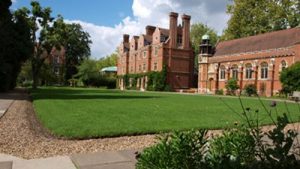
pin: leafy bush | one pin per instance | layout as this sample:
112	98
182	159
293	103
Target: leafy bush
231	86
27	83
250	89
182	150
111	82
245	147
220	92
234	149
290	78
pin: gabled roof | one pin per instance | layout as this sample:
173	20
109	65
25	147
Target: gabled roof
148	38
164	31
272	40
167	31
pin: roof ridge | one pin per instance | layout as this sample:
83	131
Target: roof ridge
261	34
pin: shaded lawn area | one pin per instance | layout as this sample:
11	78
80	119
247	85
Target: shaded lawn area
90	113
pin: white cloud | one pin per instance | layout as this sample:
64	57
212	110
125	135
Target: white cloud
14	1
154	12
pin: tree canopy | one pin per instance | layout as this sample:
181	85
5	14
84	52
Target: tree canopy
15	45
252	17
48	32
197	31
76	43
290	78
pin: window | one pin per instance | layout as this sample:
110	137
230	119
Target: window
145	54
264	71
155	66
56	70
140	67
222	72
144	66
131	69
248	71
283	65
179	40
155	51
163	38
235	71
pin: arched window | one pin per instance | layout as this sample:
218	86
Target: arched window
283	65
248	71
222	72
235	71
264	70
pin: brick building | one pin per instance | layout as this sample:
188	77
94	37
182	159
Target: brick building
158	47
254	60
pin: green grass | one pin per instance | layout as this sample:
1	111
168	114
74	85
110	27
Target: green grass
89	113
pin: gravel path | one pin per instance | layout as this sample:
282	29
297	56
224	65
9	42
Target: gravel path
21	135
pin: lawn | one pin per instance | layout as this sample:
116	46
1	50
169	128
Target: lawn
91	113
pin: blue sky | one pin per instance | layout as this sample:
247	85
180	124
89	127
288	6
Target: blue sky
107	20
107	13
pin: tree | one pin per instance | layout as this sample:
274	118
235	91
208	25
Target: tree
40	20
47	33
76	43
252	17
15	46
197	31
87	69
290	78
110	60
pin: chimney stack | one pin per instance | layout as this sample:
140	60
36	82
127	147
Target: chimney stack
186	31
125	38
150	30
173	29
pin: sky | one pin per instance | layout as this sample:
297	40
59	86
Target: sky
107	20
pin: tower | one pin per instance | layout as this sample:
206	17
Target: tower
206	51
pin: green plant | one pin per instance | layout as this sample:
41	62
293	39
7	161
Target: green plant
250	89
178	150
220	92
234	149
290	78
231	86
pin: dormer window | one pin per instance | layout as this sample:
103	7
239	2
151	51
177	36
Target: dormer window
179	40
163	38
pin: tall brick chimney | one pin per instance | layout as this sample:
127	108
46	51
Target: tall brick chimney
173	29
125	38
150	30
186	31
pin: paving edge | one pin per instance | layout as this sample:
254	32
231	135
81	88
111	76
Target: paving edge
3	112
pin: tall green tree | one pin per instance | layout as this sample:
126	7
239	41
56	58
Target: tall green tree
197	31
40	21
15	46
76	43
252	17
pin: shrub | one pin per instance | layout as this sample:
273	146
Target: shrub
111	83
220	92
231	86
27	83
290	78
250	89
234	149
182	150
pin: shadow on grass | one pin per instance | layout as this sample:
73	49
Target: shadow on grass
83	96
75	93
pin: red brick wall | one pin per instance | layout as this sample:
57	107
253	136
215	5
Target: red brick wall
273	58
